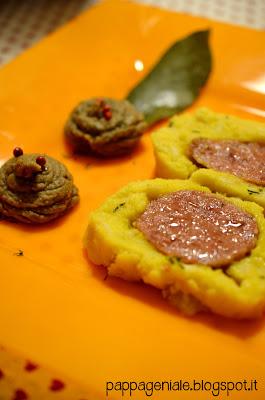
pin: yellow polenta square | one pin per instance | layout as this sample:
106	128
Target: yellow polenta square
113	240
171	146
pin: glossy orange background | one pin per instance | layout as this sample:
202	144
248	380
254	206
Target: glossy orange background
56	308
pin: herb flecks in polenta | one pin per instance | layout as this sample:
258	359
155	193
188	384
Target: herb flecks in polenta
113	240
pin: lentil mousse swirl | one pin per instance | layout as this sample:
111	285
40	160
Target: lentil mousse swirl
105	127
34	193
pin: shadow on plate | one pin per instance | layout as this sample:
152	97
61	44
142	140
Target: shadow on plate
39	228
88	160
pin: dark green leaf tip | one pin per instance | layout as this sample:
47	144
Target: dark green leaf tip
175	81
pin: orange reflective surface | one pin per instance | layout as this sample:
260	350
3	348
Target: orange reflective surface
56	308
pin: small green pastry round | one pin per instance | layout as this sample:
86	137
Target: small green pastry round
105	127
172	149
112	239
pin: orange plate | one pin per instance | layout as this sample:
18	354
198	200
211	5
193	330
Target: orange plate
58	309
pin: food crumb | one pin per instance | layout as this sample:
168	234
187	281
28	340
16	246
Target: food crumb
19	253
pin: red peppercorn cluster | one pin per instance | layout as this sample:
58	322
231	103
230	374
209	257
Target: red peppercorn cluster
17	152
107	113
105	109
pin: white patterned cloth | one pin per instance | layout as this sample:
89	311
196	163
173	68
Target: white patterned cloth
23	23
249	13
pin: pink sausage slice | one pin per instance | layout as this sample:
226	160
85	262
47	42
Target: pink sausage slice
198	227
245	160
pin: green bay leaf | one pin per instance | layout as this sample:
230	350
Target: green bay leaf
176	80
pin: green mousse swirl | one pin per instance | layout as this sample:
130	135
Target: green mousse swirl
105	127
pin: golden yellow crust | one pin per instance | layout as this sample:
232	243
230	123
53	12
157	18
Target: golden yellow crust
171	146
112	240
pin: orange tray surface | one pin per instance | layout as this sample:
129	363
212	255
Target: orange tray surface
56	308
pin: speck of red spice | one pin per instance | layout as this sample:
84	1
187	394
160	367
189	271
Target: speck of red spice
1	374
17	152
56	385
30	366
20	394
41	161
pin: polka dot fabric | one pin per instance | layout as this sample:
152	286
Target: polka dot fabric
22	23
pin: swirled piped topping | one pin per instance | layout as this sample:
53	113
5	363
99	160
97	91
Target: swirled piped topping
198	227
245	160
35	188
105	126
